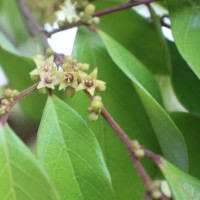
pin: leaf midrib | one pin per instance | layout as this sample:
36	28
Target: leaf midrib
57	122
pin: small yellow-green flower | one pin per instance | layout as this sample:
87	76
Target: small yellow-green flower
68	78
90	82
45	71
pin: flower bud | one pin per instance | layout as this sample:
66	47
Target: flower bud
155	185
84	67
70	91
8	93
4	102
97	105
34	77
89	9
96	20
100	86
156	194
165	189
42	91
97	98
89	21
15	93
81	14
139	153
93	116
135	145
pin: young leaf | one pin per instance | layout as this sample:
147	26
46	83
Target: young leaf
71	155
185	18
168	135
17	70
21	176
128	112
182	185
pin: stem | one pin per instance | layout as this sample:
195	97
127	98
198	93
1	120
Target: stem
32	25
106	11
147	196
123	6
22	94
127	143
153	157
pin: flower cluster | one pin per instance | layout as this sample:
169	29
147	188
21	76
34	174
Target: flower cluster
77	10
8	97
70	76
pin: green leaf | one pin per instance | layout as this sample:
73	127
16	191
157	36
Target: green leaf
137	35
11	22
185	83
190	127
17	70
131	66
128	112
183	186
185	18
168	135
21	176
71	155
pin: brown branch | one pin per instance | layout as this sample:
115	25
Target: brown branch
123	6
101	13
153	157
147	196
127	143
22	94
32	25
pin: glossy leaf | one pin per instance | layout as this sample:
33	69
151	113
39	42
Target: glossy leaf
21	176
168	135
17	70
185	83
128	112
183	186
190	127
185	18
71	155
137	35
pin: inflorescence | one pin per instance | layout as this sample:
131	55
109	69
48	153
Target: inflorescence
77	10
70	76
